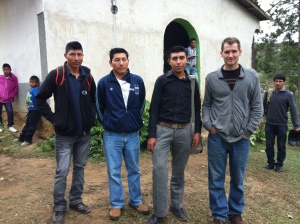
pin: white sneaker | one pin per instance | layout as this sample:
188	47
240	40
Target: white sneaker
1	130
16	140
12	129
25	144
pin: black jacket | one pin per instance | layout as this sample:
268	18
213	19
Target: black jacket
63	117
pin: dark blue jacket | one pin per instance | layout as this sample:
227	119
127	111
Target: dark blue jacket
110	105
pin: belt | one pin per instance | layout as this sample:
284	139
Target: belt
174	126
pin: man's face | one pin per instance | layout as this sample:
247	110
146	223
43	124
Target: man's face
193	43
279	84
177	61
119	64
231	54
6	71
33	83
74	58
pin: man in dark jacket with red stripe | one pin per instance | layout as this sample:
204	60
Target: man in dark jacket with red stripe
74	95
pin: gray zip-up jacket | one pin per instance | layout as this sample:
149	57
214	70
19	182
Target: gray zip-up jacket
233	113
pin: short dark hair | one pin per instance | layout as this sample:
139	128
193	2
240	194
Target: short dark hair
279	76
176	49
192	39
73	45
35	78
230	41
5	65
117	50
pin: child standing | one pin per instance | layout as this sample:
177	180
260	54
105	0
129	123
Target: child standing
33	114
8	90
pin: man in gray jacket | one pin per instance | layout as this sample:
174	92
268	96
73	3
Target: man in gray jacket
232	110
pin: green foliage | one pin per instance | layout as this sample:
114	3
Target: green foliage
144	129
47	145
259	134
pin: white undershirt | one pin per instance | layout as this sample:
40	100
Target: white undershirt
125	87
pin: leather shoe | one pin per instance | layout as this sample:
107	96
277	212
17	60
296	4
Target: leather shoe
236	219
179	213
82	208
218	221
270	167
279	169
58	218
154	220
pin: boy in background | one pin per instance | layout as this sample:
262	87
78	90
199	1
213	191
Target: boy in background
8	90
33	115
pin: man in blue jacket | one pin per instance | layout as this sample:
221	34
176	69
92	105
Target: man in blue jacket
74	90
232	110
120	101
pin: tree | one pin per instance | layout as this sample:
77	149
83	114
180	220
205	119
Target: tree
286	19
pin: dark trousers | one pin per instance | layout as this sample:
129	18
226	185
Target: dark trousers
279	131
10	113
32	120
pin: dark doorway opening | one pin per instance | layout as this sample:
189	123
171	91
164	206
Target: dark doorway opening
175	34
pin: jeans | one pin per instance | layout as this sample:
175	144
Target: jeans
65	146
180	142
238	153
32	120
116	146
271	131
10	113
191	70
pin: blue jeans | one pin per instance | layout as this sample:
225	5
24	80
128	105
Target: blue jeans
65	147
10	113
271	131
191	70
238	152
116	146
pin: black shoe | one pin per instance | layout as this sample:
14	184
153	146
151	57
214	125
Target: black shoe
279	169
58	218
179	213
154	220
270	166
82	208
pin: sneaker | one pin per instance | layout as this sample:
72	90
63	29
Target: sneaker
1	130
270	166
25	143
16	140
236	219
58	218
115	214
218	221
154	220
279	169
142	209
179	213
82	208
12	129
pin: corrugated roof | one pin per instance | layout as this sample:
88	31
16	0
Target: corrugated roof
254	9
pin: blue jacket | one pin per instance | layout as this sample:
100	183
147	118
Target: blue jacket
111	110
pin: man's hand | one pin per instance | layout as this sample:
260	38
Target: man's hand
296	129
151	143
213	131
196	140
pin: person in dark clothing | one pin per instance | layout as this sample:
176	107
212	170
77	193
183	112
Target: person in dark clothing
169	126
278	105
33	114
74	90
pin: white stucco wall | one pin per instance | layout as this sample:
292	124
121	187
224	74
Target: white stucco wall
139	27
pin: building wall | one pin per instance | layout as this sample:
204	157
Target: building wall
138	27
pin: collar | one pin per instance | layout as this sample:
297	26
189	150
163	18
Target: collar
220	75
68	72
126	77
169	73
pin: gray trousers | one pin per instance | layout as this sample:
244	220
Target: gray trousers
180	142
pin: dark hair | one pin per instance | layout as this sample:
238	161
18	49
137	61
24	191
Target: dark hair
192	39
230	41
74	45
35	78
117	50
5	65
279	76
176	49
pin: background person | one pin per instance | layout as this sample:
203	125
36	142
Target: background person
8	90
276	125
120	104
74	103
232	110
192	56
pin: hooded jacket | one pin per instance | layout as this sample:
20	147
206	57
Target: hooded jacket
8	88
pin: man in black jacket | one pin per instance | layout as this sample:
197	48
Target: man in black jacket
74	95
